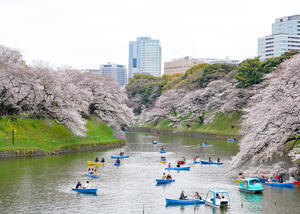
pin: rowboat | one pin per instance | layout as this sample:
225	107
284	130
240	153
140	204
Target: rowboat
238	180
264	180
196	162
92	175
123	156
154	142
117	164
179	168
163	161
251	185
91	163
231	140
289	185
297	182
162	151
212	163
184	201
164	181
86	191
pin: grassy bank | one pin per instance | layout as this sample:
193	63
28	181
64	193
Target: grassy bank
47	136
223	124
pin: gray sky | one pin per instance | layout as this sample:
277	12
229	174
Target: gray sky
86	33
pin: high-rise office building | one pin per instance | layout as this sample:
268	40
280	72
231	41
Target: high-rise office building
144	57
285	37
116	71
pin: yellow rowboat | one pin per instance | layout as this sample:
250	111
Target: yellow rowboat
238	180
163	161
91	163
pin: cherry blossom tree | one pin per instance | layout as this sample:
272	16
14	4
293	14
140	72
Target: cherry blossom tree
63	95
272	118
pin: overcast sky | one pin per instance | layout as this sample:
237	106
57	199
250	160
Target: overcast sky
86	33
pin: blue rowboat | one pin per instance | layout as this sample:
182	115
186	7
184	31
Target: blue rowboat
213	163
179	168
92	175
232	140
162	151
86	191
195	162
264	180
289	185
124	156
164	181
184	202
117	164
154	142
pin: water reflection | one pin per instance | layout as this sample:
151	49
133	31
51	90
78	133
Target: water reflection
252	201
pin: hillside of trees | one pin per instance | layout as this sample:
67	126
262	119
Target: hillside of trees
258	100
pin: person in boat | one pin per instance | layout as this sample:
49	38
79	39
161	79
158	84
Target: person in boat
95	172
78	185
280	178
277	176
169	177
269	180
86	185
209	159
169	165
164	177
197	195
182	196
102	160
240	176
178	165
97	160
218	196
218	160
91	171
163	158
118	161
292	180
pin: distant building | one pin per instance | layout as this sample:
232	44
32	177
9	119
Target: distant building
93	70
180	65
144	57
285	37
116	71
215	60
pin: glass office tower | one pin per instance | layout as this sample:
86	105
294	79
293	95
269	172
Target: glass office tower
144	57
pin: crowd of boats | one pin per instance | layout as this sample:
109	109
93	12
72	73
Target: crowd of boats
215	198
